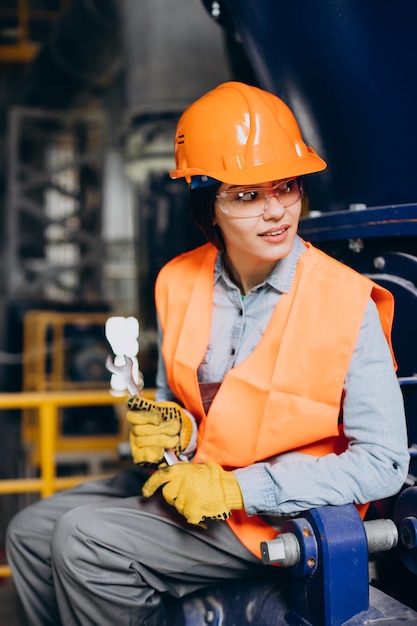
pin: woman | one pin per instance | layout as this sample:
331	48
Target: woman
276	389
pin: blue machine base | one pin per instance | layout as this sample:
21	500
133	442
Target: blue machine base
383	611
209	610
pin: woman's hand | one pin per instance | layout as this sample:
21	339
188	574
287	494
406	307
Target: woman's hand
198	491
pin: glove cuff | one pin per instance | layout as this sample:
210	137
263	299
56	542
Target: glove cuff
232	492
188	436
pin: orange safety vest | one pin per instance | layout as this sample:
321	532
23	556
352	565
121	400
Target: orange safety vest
286	395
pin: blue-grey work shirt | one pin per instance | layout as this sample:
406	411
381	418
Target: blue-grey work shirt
376	462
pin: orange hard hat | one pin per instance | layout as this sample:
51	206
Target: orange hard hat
239	134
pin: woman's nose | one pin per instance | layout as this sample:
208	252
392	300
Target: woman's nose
273	207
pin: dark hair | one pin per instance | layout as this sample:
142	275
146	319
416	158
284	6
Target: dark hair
202	202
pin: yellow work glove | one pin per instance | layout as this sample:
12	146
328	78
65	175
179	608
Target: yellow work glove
198	491
157	426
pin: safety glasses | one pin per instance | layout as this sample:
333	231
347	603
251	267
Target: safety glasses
253	201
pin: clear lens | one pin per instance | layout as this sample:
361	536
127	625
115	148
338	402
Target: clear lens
253	201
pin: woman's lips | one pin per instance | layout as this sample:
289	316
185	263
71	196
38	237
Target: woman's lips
275	234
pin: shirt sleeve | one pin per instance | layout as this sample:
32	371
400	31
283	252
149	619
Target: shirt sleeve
375	464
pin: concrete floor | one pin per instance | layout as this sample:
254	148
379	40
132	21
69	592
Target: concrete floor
11	613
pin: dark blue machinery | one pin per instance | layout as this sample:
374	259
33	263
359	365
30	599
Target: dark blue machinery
326	551
361	221
347	70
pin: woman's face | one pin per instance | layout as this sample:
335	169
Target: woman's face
268	233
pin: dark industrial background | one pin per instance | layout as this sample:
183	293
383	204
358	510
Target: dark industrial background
90	93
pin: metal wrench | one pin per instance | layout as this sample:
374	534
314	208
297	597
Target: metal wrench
125	371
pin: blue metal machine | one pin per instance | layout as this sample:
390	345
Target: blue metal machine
327	553
347	70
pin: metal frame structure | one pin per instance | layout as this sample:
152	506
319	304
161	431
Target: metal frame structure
53	243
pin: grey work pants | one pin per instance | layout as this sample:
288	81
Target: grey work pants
101	554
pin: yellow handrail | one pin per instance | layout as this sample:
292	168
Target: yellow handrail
48	404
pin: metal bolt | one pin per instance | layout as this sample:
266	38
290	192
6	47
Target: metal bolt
283	550
356	245
215	9
379	262
408	532
381	535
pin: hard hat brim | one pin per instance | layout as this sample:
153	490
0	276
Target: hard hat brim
257	174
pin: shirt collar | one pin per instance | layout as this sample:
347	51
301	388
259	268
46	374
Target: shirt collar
281	276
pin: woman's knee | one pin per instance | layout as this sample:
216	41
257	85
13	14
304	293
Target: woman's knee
23	525
13	532
73	537
26	538
64	538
